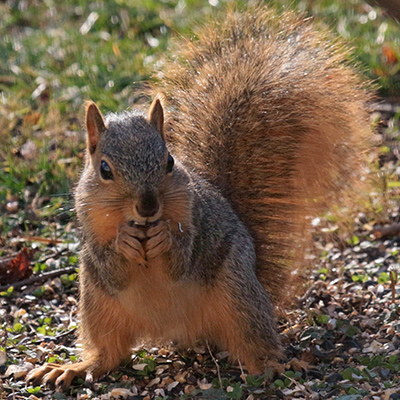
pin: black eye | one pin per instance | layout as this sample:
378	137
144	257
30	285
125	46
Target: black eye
170	164
105	171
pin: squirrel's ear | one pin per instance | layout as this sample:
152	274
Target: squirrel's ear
95	125
156	116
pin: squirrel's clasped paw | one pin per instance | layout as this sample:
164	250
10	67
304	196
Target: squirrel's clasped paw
158	241
129	243
140	246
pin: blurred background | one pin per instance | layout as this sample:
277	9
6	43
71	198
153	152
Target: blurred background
55	55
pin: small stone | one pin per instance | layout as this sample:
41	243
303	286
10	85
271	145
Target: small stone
120	392
154	350
3	357
139	367
384	373
172	385
332	323
375	348
380	289
159	393
394	396
12	206
334	378
153	382
160	370
19	371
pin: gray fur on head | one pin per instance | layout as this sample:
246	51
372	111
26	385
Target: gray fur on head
130	136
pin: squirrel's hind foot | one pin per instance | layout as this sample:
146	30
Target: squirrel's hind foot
60	377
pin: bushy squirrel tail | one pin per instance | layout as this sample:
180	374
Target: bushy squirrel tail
267	108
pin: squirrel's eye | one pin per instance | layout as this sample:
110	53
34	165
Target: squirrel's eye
170	163
105	171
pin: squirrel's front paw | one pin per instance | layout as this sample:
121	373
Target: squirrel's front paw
129	243
159	240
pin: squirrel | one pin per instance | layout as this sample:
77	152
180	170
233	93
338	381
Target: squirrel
191	214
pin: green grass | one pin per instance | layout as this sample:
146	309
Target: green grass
55	55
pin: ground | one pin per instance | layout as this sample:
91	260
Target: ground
341	337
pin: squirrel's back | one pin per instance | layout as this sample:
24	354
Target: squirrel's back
266	108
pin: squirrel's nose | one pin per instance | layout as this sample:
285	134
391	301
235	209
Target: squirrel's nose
147	205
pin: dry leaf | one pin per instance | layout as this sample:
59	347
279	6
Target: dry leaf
17	268
390	55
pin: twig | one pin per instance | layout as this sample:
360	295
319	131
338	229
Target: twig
393	282
65	333
295	383
39	239
216	364
48	257
242	375
307	294
39	278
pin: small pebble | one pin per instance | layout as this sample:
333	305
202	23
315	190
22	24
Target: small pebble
384	373
12	206
334	378
280	394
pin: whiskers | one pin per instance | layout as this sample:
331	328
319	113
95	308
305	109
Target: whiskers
178	206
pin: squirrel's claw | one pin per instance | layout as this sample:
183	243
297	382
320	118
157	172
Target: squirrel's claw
56	376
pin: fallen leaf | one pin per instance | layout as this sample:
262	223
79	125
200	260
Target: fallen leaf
17	268
19	371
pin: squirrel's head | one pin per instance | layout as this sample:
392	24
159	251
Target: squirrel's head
128	165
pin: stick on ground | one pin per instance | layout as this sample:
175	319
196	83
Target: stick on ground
39	278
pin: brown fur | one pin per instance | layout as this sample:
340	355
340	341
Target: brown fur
103	348
109	325
281	124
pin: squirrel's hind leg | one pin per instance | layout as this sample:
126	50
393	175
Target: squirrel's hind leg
107	337
243	322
